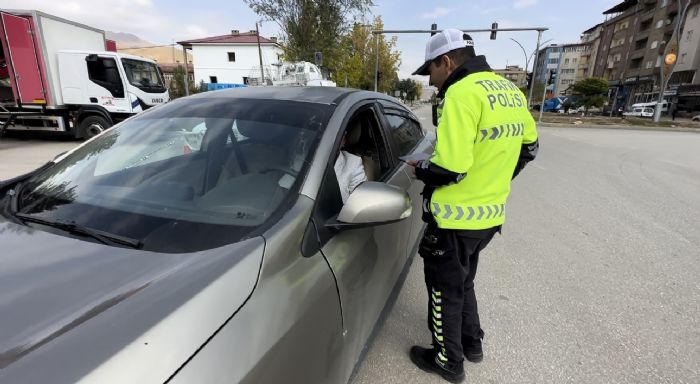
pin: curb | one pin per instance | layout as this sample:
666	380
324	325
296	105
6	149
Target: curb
621	127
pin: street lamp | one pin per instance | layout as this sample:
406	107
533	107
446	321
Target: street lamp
527	63
527	60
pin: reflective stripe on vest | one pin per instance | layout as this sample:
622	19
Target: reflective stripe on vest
477	213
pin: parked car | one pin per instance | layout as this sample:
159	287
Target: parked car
640	112
696	118
205	241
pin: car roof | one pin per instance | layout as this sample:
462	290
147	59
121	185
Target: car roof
319	95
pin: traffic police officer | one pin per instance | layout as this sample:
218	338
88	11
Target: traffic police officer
485	136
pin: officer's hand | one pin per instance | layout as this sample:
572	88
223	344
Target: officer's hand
412	164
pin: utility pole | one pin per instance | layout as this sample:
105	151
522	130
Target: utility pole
544	94
434	30
534	75
376	66
262	71
187	72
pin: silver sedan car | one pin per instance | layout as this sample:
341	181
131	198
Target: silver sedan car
206	241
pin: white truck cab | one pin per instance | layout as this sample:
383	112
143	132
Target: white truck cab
62	76
116	82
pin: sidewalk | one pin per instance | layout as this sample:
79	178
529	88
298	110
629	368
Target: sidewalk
624	127
604	122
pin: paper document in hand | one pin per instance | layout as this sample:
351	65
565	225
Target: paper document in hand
418	156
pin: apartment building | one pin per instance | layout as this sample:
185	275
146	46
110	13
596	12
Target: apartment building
565	60
631	43
570	70
514	73
592	38
547	61
685	81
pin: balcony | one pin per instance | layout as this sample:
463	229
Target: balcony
636	63
641	44
645	26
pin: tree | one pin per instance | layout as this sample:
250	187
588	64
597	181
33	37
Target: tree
357	64
591	92
177	84
409	87
311	26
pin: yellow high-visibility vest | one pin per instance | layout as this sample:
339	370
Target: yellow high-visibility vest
483	122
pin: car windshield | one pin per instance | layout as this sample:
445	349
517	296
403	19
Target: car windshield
191	175
144	75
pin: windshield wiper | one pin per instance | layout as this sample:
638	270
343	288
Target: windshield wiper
77	229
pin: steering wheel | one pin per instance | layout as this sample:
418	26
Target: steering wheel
288	171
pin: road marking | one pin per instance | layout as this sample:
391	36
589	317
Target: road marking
539	166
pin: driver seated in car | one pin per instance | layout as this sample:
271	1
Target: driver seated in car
349	171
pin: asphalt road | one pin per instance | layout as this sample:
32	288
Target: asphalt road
595	278
21	152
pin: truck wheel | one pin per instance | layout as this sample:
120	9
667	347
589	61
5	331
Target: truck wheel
92	126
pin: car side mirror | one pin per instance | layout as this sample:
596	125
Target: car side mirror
372	204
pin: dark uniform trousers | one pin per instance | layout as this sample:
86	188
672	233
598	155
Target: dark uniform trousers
450	258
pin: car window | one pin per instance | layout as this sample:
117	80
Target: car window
179	178
171	143
405	132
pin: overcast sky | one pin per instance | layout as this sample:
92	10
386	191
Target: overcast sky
164	21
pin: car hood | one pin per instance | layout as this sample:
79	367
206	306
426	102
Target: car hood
73	310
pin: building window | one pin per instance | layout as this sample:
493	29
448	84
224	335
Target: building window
641	44
213	79
664	3
575	61
622	25
566	61
659	24
654	44
232	57
650	64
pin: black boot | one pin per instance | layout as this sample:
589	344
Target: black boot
425	359
472	349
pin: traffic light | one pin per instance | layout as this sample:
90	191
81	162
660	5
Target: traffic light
494	27
528	79
379	75
552	77
433	28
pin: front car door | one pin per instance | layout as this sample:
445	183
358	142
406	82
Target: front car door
366	262
407	137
